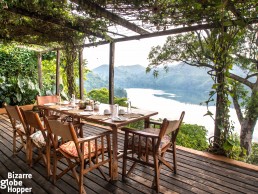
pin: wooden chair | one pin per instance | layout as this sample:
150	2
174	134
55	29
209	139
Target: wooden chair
19	128
37	138
76	151
41	100
139	146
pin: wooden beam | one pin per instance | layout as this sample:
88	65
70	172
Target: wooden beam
156	34
58	72
111	72
40	70
100	11
81	74
163	33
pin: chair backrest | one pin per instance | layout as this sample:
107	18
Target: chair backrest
174	126
41	100
32	121
57	128
12	114
31	118
67	133
15	116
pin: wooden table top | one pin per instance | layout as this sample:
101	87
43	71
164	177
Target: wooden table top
98	116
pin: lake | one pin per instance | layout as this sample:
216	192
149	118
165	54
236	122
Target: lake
150	99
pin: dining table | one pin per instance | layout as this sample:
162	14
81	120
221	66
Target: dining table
101	117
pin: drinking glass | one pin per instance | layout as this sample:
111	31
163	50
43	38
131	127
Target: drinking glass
129	110
114	111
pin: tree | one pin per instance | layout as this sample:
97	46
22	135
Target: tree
102	95
244	90
208	49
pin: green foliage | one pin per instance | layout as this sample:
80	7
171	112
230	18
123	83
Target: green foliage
136	125
192	136
253	158
49	73
232	148
102	95
18	75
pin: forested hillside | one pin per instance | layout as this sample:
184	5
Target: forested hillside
183	80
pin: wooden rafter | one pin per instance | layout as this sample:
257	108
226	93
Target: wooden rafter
88	5
161	33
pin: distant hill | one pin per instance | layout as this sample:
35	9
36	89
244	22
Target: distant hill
178	77
187	81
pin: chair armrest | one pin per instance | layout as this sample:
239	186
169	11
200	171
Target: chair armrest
53	117
141	133
155	123
93	137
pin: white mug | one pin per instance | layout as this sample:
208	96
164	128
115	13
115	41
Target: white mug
121	111
106	112
88	108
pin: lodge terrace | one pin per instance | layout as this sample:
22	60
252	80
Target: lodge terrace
43	23
198	172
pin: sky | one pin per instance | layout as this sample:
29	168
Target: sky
126	53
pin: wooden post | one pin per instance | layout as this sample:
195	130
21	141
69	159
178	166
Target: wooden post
111	72
81	78
58	72
40	70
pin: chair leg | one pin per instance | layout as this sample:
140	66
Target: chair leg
125	157
81	189
124	167
29	153
174	158
14	142
131	169
54	167
157	173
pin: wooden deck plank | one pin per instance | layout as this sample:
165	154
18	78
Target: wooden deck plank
217	180
38	171
196	173
221	164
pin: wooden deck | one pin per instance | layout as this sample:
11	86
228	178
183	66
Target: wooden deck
196	173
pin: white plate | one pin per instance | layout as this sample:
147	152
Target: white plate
119	119
77	100
85	113
65	108
88	109
65	103
49	104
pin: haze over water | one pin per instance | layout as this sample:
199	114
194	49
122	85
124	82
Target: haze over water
171	109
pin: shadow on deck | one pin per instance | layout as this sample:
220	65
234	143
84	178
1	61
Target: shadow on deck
196	173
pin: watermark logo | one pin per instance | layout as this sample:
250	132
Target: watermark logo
13	183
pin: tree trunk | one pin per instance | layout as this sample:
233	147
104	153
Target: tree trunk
70	79
221	119
249	122
246	134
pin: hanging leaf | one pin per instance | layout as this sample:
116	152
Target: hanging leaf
209	113
18	97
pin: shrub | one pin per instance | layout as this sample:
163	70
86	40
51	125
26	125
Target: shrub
192	136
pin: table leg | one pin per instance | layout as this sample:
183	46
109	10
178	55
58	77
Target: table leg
147	122
114	175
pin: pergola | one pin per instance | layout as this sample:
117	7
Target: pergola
54	24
